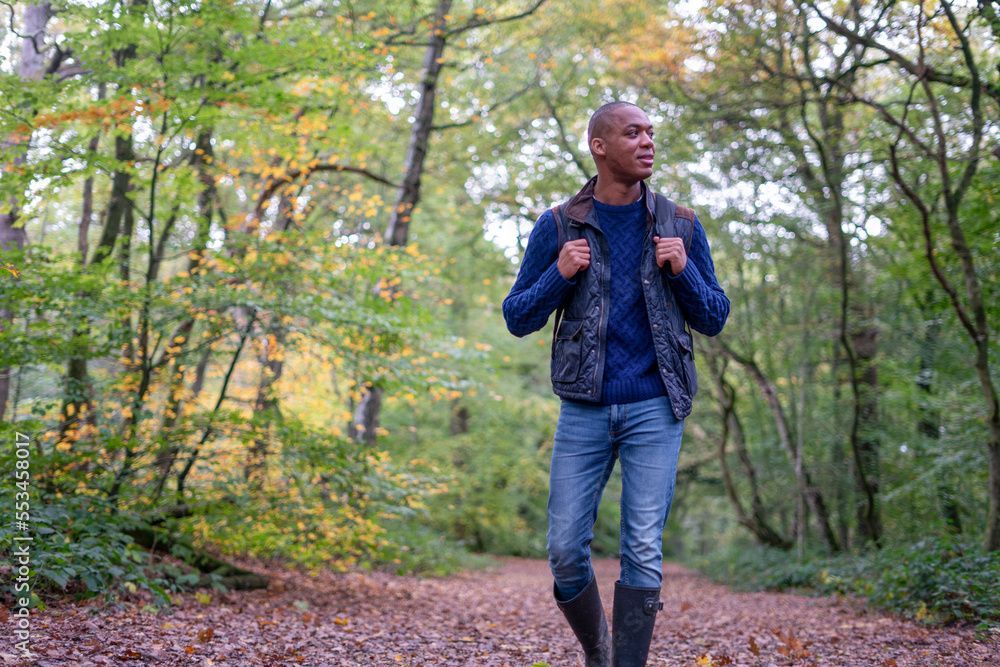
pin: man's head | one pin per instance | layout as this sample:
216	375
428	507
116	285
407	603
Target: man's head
620	137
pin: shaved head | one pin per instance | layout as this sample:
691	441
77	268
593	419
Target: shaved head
620	138
601	120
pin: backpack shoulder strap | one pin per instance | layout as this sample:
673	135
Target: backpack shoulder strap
561	232
562	235
674	220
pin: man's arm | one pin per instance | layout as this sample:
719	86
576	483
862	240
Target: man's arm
539	287
701	298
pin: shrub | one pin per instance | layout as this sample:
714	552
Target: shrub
937	580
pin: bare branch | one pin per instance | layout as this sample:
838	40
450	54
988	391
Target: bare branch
925	215
13	30
477	22
931	73
563	139
496	105
974	106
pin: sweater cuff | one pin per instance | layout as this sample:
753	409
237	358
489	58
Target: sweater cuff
552	282
688	279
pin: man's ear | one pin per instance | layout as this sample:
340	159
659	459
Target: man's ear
597	147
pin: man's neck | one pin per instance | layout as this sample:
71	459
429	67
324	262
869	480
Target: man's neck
616	193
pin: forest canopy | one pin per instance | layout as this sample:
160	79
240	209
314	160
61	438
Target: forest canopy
254	253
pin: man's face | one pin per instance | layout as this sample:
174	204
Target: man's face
628	144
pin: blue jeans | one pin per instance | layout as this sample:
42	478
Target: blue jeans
589	439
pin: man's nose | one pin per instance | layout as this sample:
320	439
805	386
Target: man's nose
647	140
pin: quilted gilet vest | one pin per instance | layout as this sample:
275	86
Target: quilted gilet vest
579	334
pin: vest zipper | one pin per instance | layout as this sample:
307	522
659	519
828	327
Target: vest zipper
602	325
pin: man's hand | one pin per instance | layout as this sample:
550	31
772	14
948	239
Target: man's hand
670	250
574	257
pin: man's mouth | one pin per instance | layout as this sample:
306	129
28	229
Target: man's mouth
646	159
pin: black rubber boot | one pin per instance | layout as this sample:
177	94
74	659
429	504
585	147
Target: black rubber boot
585	614
633	616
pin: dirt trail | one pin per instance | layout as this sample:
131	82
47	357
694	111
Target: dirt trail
503	616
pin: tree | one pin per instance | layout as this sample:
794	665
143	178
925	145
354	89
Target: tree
34	63
938	129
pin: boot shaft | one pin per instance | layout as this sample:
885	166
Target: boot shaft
585	615
633	618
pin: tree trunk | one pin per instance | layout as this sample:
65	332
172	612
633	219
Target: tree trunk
31	67
77	390
956	164
806	485
841	491
267	405
459	422
397	231
929	423
366	416
755	521
181	337
862	437
865	344
823	175
77	393
233	576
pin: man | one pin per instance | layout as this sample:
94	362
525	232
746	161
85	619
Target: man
625	270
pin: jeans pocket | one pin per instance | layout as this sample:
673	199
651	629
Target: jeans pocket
567	351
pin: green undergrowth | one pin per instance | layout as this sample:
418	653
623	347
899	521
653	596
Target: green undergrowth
334	506
936	581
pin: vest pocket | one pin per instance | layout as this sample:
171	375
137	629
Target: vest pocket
686	346
567	351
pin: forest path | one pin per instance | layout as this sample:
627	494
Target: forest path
501	616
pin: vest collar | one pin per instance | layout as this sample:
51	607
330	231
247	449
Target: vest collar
580	207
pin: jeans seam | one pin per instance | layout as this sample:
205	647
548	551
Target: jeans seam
608	467
623	561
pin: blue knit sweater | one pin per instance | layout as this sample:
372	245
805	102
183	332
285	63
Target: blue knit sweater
630	371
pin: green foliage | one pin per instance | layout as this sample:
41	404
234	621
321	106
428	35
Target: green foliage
55	299
936	580
939	579
78	546
495	477
328	504
79	543
412	547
